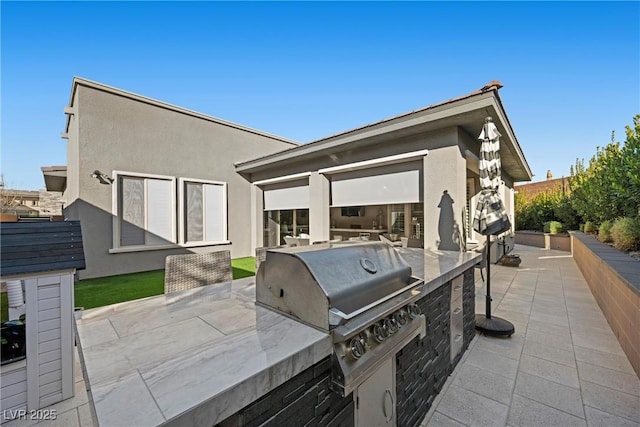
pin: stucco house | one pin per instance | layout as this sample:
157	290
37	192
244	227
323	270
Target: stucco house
415	175
148	179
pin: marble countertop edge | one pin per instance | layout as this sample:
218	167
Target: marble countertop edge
230	400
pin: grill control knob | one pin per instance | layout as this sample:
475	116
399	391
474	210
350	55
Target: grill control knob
357	348
364	338
414	311
400	317
380	332
391	325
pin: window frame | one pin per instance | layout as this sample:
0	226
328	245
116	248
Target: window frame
116	218
182	213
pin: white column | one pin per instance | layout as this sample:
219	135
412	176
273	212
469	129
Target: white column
319	212
257	218
445	180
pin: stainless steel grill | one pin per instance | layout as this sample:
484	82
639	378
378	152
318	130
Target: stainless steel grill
362	294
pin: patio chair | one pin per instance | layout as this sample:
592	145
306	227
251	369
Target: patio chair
261	254
194	270
290	241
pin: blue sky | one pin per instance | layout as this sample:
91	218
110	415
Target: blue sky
571	71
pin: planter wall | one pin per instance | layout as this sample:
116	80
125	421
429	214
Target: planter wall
561	242
614	280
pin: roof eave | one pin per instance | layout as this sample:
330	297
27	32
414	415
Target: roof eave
484	100
55	178
79	81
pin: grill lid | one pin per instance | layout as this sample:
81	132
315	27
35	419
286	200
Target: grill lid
356	276
310	281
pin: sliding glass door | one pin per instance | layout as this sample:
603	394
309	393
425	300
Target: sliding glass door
285	222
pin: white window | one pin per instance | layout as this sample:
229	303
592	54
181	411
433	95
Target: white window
203	211
144	210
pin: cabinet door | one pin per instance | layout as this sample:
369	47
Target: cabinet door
376	398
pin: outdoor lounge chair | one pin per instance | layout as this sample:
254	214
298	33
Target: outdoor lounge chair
194	270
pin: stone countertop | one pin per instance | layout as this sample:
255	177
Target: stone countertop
198	356
192	357
438	267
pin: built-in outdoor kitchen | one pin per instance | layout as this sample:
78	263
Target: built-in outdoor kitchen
328	334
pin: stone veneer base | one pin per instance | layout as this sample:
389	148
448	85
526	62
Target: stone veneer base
422	367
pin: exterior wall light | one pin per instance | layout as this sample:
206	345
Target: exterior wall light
102	178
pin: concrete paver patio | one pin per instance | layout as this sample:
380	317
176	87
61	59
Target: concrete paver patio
562	367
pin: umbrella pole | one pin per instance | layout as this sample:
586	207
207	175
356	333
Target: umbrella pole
488	295
487	324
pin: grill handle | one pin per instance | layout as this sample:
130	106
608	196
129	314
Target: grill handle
388	418
337	317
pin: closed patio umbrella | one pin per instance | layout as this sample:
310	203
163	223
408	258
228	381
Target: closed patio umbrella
490	218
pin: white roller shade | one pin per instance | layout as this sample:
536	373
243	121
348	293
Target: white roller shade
131	211
215	213
287	195
159	212
392	184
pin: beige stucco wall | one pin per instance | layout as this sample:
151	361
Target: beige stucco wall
445	186
71	193
112	132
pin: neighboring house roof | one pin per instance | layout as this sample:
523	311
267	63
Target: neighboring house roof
78	81
14	201
35	247
55	178
542	186
467	111
21	194
18	209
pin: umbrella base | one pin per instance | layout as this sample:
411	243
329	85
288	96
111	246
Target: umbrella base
494	326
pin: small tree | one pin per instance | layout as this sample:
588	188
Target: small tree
627	184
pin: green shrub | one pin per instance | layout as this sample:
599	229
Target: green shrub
589	227
553	227
581	228
609	185
626	234
564	212
604	232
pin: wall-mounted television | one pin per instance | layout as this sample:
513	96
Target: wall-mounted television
353	211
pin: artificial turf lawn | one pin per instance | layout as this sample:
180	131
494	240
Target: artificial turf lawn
90	293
